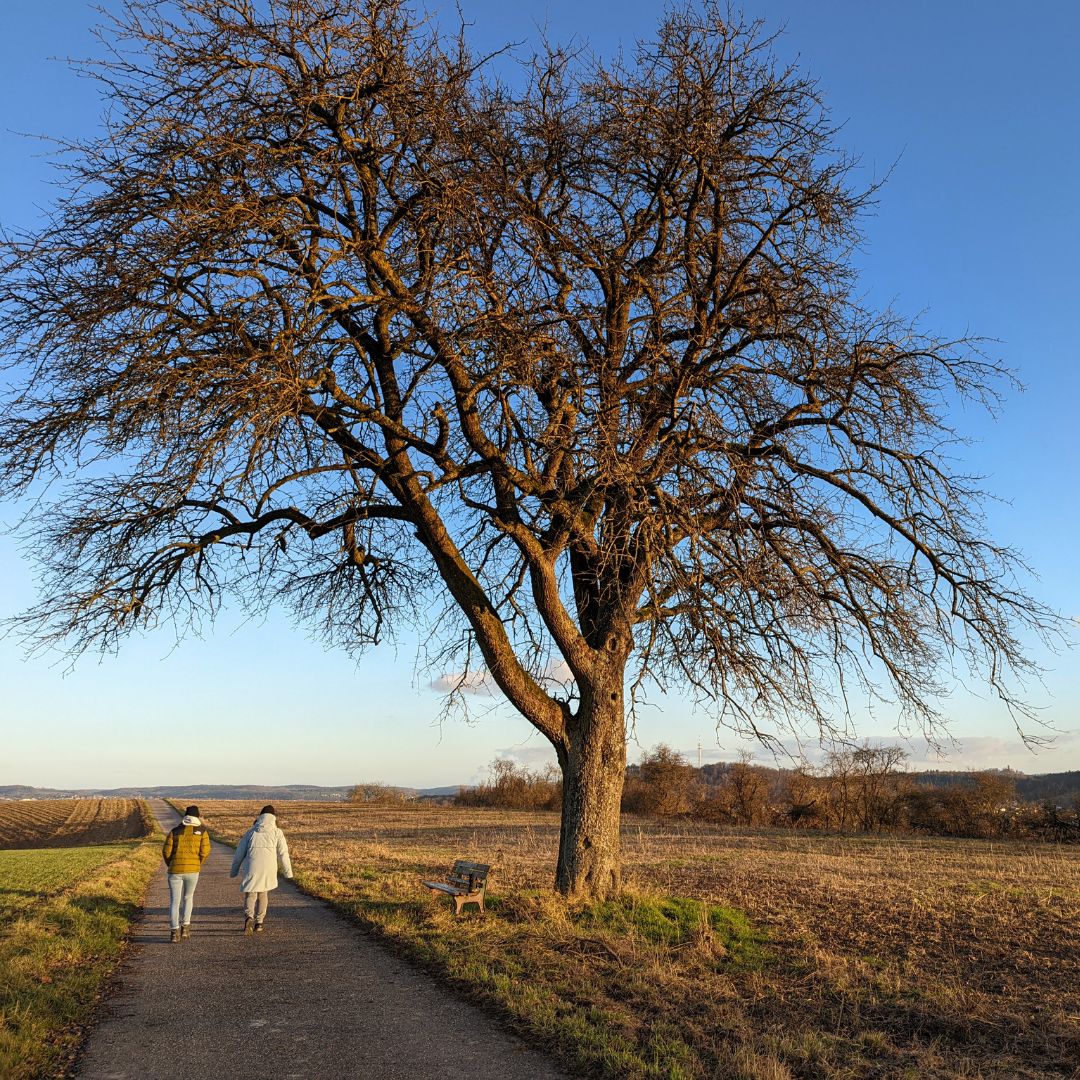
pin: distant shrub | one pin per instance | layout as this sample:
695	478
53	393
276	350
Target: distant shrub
1049	821
512	786
745	793
980	808
377	793
662	784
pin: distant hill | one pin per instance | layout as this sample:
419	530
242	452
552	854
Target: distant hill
1060	787
195	792
1053	787
1050	786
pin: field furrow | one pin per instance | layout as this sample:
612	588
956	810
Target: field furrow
44	823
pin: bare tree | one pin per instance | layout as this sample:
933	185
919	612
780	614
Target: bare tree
862	785
512	786
842	787
746	786
665	783
329	315
881	783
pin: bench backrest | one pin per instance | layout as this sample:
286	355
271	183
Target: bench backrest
469	875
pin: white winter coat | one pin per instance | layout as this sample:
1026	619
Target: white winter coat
258	853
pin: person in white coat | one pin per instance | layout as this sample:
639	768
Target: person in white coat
257	856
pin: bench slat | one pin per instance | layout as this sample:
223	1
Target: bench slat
465	884
451	889
461	866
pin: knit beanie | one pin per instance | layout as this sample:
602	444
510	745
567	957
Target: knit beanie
192	811
268	809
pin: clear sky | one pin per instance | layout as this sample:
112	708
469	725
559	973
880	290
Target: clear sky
971	104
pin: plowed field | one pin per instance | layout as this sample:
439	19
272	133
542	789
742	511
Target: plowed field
41	823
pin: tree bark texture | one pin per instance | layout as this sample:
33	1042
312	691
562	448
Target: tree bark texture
594	770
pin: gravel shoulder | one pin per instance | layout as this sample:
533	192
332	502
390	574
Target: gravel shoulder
312	997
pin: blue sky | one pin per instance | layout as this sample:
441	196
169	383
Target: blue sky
972	107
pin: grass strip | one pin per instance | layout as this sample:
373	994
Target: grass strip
64	916
585	980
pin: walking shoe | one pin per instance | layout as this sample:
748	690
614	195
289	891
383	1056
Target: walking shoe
258	928
174	934
249	924
185	931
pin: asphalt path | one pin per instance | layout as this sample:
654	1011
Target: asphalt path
311	997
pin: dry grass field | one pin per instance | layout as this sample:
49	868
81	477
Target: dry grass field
743	955
41	823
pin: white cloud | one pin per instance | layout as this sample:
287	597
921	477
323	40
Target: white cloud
558	671
465	682
531	756
555	674
975	752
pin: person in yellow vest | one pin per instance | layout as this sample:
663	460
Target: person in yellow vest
184	851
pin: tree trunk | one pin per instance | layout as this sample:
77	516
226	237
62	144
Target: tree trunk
594	770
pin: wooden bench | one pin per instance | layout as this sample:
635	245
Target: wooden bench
465	885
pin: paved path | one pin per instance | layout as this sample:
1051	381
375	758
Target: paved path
311	998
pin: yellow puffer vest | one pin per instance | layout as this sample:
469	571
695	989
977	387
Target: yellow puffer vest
185	848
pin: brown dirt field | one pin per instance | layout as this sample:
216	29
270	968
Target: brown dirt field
882	957
41	823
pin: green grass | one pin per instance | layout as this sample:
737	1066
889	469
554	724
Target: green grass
27	877
64	914
674	921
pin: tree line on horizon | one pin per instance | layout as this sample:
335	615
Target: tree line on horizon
857	789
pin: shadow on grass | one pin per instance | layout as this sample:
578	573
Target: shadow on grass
96	904
65	843
1034	1043
381	912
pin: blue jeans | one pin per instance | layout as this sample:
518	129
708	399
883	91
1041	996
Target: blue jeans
181	890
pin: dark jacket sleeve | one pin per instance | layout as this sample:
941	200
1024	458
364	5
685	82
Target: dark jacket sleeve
204	846
168	847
